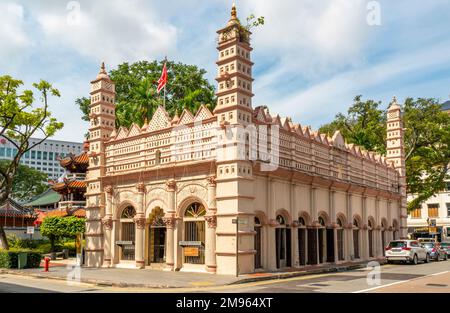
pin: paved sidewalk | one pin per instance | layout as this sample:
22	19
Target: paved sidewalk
148	278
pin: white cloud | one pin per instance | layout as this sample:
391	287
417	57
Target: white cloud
113	31
13	37
323	100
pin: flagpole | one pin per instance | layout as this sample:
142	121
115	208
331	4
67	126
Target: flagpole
164	101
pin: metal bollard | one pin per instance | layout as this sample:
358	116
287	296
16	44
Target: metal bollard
46	264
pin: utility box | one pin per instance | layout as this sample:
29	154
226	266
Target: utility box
21	260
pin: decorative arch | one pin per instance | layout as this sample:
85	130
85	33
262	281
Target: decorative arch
384	224
395	224
325	217
285	214
371	222
156	202
358	220
126	203
342	218
262	217
184	204
307	218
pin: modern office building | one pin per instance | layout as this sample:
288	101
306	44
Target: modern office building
45	156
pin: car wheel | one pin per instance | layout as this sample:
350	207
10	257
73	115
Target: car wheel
415	260
427	258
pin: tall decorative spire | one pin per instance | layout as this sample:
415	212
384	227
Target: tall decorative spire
233	11
102	73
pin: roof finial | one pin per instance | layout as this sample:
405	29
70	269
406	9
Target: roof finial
233	11
102	68
394	99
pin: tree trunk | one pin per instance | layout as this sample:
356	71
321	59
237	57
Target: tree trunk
52	243
3	240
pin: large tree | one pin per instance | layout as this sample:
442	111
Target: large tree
137	99
20	119
427	140
27	183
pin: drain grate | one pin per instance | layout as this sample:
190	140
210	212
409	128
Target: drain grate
437	285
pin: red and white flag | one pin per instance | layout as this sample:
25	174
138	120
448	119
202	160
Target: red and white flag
162	81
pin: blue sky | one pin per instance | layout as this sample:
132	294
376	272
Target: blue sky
311	56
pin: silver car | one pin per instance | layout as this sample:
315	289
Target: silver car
406	251
435	250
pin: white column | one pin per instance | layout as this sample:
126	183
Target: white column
107	228
211	220
170	221
139	221
349	228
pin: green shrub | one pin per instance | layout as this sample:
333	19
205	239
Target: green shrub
9	258
5	261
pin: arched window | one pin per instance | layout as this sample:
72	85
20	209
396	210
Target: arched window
194	232
158	157
356	238
127	234
128	213
301	221
370	234
195	210
258	242
340	239
322	221
280	220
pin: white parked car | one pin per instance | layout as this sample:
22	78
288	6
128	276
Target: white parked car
407	251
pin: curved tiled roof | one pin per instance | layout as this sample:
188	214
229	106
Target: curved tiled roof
11	208
72	162
70	184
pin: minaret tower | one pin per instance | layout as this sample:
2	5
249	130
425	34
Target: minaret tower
234	92
102	123
396	155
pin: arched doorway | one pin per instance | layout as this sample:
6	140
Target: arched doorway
156	237
383	235
322	239
395	230
356	231
370	226
194	234
302	240
258	242
283	243
340	238
127	234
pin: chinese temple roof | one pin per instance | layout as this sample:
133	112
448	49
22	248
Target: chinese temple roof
69	185
78	163
11	208
48	197
63	213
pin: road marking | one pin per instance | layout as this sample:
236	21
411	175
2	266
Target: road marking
399	282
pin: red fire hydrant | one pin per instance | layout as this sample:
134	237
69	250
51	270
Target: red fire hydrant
46	263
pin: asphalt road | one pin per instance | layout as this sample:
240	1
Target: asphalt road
433	277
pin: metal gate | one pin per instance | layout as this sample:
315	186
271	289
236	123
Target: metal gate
128	235
302	246
356	243
157	244
340	244
370	232
194	231
312	246
330	245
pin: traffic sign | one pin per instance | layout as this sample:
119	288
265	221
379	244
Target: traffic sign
238	221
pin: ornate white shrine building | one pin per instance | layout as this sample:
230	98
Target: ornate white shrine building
236	189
